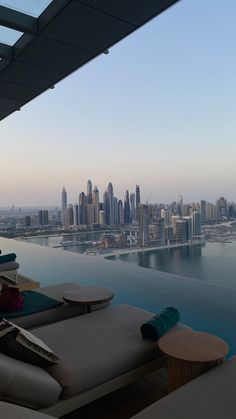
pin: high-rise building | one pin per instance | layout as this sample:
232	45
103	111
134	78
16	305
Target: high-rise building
89	192
96	204
132	207
69	215
83	208
221	204
120	212
142	225
63	204
167	217
27	221
90	214
43	217
189	229
76	215
115	210
110	204
196	223
174	220
138	201
203	211
180	204
102	218
105	207
181	231
126	208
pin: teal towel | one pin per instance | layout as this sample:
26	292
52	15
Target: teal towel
8	258
158	325
34	302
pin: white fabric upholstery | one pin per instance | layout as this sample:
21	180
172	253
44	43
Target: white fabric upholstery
12	411
210	396
27	384
97	347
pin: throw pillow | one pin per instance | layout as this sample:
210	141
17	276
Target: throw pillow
22	345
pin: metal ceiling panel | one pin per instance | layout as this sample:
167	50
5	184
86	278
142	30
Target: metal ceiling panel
54	55
136	12
87	28
68	34
35	77
7	104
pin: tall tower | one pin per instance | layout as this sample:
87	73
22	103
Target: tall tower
96	204
180	205
120	212
132	207
196	223
83	208
89	192
142	225
110	204
137	195
126	208
63	204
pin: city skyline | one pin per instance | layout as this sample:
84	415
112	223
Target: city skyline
158	110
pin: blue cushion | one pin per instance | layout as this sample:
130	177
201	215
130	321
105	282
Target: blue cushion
158	325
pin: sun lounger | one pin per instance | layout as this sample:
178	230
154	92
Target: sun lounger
99	353
210	396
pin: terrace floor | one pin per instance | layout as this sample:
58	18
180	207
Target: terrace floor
127	401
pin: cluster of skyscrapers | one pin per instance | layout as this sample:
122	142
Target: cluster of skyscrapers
89	211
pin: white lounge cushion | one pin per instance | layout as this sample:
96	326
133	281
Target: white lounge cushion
97	347
210	396
27	384
12	411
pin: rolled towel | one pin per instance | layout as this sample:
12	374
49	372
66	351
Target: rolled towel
158	325
10	257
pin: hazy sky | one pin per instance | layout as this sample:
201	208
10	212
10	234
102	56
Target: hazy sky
159	111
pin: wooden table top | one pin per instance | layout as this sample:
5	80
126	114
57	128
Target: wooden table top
193	346
88	296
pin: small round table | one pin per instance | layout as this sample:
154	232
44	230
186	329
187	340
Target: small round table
88	296
190	354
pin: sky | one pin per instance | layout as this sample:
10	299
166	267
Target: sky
159	111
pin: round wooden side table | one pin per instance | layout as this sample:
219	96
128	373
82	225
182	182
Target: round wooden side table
88	296
190	354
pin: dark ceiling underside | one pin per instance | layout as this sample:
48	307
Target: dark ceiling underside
68	34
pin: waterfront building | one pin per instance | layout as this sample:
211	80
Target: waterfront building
221	204
169	234
120	212
167	217
105	207
69	215
203	211
142	225
27	221
181	231
137	201
174	219
63	204
180	205
196	223
76	214
43	217
90	214
126	208
132	207
110	204
89	192
96	204
188	228
115	210
83	208
102	218
157	231
211	212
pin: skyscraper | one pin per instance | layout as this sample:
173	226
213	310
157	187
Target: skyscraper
105	207
137	197
132	207
96	204
110	204
180	205
142	225
89	192
126	208
120	212
196	223
83	208
76	214
63	204
203	211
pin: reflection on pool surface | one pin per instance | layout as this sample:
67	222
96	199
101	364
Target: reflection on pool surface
203	306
